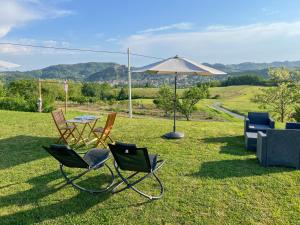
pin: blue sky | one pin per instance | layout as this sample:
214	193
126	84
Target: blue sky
224	31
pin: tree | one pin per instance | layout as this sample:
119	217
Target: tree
90	89
2	89
106	92
122	95
25	88
282	98
165	99
190	98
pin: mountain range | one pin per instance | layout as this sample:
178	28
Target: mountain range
117	74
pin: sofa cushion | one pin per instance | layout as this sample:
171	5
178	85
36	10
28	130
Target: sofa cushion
258	127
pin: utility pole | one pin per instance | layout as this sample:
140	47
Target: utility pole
40	96
129	85
66	88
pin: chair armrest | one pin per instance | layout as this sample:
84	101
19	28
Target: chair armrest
271	123
261	149
283	147
246	124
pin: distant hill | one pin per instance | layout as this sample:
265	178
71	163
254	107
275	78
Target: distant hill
249	66
117	74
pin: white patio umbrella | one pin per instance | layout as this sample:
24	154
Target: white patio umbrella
178	66
7	65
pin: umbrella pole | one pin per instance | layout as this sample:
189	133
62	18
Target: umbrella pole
175	102
174	134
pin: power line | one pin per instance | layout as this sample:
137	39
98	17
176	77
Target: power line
77	49
62	48
146	56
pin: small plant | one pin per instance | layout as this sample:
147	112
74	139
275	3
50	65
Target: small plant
190	98
165	99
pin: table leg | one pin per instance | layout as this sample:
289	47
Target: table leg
81	134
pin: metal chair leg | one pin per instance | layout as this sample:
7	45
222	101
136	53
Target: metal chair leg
131	185
71	181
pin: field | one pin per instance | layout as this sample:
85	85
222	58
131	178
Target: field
209	178
237	98
234	98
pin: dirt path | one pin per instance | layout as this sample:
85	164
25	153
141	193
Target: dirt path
218	106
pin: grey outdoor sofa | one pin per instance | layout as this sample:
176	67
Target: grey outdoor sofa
279	147
258	121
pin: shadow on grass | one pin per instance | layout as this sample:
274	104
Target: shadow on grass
75	205
235	168
22	149
233	145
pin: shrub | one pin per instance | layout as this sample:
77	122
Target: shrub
122	95
216	96
79	99
190	98
11	103
165	99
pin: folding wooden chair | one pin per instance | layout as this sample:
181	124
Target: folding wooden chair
130	158
103	133
64	129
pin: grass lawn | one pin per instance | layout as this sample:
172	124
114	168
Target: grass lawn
209	178
237	98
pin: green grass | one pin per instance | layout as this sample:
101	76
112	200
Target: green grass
209	178
237	98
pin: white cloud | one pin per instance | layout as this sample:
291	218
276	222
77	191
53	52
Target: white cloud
176	26
111	40
269	12
14	13
254	42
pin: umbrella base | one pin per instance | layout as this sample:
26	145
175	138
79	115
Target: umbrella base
174	135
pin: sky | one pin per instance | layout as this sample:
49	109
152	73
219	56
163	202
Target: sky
213	31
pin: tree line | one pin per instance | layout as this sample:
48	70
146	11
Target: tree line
22	95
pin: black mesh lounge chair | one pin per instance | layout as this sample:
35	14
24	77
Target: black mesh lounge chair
129	157
93	159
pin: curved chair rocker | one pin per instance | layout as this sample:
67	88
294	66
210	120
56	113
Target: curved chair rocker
93	159
129	157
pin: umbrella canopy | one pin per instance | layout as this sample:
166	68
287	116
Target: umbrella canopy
178	66
7	65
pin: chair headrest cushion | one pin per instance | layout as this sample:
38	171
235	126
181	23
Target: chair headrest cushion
125	148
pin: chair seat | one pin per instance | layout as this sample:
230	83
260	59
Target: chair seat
68	127
95	156
98	129
258	127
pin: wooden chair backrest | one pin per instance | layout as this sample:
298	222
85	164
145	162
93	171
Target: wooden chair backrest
109	125
58	118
